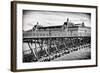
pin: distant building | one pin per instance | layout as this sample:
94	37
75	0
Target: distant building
68	29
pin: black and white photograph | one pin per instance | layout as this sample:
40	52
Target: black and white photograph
56	36
49	36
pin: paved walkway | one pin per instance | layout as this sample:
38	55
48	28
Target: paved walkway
81	54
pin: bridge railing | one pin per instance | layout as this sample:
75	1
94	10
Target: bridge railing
44	34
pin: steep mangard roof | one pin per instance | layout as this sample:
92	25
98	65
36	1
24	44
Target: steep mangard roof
66	25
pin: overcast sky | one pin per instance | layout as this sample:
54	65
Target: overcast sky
52	18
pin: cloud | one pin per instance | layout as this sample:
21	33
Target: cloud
52	18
